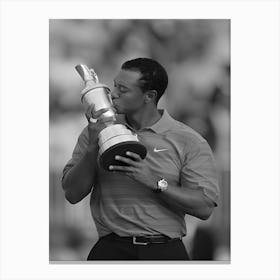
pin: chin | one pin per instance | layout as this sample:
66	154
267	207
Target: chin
120	112
118	108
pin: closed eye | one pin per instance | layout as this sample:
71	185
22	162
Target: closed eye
121	88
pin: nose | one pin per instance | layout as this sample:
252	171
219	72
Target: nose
114	94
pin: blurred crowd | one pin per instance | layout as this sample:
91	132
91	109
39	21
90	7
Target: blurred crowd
196	55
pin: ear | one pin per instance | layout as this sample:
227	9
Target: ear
150	96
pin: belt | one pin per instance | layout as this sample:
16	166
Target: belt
144	240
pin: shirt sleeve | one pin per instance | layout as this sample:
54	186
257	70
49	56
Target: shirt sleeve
199	169
78	152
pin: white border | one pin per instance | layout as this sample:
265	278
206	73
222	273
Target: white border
254	131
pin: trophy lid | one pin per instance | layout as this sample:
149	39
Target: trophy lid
86	73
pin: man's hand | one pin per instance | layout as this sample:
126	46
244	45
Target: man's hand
137	169
191	201
96	123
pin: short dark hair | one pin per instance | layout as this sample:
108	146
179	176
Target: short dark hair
154	76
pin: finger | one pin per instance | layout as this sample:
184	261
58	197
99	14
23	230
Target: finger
91	120
106	119
134	156
128	169
88	117
89	112
98	114
126	160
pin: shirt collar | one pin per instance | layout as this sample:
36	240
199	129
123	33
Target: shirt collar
163	124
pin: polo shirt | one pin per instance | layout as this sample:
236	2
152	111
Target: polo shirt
126	207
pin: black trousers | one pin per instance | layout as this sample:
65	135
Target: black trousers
108	248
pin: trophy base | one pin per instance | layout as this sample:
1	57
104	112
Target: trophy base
107	158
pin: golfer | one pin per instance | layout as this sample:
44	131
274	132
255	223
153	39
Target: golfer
139	209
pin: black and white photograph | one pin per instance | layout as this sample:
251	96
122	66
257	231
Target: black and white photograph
140	140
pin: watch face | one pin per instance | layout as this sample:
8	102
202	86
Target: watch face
162	184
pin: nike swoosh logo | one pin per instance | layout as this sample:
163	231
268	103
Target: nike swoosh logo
159	150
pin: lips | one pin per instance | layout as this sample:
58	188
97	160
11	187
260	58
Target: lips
115	105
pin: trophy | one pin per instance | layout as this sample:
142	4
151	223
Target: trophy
114	139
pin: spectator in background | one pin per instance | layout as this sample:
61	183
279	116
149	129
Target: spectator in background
139	209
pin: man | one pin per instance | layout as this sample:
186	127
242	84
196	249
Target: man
139	209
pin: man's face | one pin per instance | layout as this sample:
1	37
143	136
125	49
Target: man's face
127	96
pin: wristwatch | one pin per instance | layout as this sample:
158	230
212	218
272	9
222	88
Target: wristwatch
162	186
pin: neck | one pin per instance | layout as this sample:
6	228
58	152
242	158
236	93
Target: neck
143	118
